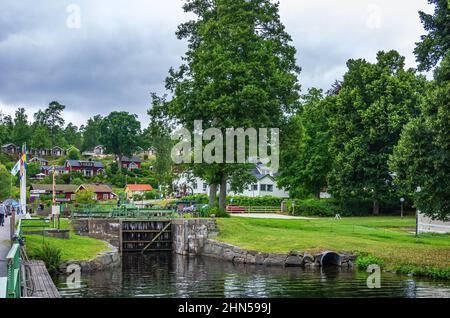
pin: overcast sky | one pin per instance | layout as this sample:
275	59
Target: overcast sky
119	51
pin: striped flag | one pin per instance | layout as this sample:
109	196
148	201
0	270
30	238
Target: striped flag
23	159
16	168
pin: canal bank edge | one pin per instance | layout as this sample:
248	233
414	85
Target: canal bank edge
103	261
192	237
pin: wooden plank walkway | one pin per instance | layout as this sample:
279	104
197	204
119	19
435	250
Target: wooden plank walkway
40	284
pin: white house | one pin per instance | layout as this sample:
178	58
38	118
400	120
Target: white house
265	184
98	151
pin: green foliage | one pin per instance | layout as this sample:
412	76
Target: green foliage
238	200
436	44
5	183
365	260
305	159
422	156
41	138
74	154
218	213
313	207
151	195
85	197
373	105
21	132
428	271
240	71
92	133
51	256
119	132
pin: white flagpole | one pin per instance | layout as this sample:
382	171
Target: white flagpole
23	183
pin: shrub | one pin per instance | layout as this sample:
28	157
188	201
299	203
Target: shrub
365	260
85	197
238	200
218	213
51	257
255	201
313	207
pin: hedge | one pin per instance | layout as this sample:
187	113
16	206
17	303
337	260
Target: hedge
313	207
238	200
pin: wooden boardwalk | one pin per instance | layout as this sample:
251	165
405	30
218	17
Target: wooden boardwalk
40	284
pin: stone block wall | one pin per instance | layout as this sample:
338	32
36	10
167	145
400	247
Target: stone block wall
107	230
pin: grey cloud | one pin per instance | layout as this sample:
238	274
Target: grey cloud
123	50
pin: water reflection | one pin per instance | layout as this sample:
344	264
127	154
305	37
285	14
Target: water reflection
167	275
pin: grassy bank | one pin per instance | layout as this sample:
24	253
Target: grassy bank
75	248
388	238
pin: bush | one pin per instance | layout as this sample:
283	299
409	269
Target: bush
255	201
85	197
51	257
238	200
313	207
364	261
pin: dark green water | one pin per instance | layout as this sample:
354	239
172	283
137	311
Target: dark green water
167	275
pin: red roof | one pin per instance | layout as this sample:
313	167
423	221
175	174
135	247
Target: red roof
139	187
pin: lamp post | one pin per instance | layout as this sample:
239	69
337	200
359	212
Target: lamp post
418	190
402	201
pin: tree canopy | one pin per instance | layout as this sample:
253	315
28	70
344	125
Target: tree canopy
239	71
373	104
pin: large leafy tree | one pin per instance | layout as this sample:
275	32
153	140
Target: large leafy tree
119	134
305	159
239	71
436	43
51	118
21	132
5	183
375	101
41	138
422	157
72	135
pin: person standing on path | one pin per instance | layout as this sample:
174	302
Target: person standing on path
2	214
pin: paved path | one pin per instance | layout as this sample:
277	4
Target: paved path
269	216
4	246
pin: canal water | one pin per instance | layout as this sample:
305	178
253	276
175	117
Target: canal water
168	275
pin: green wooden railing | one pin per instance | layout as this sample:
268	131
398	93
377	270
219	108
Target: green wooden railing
123	213
13	281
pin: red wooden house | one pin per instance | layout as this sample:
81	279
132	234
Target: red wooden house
131	163
103	192
87	168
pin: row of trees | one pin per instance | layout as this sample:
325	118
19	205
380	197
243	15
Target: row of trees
382	133
379	133
119	132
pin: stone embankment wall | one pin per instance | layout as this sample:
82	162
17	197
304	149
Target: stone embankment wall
107	230
105	260
193	237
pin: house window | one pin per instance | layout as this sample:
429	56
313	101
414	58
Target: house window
270	188
254	187
194	186
105	196
87	173
205	186
263	187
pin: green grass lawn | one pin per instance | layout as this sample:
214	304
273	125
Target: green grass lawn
389	238
75	248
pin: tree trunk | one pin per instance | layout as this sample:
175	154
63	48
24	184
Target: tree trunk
318	195
119	162
376	207
223	192
212	195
